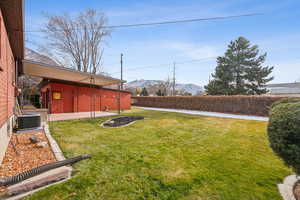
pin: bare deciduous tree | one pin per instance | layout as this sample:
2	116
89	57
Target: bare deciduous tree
77	40
163	86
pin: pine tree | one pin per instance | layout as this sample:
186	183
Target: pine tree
257	77
240	71
159	93
144	92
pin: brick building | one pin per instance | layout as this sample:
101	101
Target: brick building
11	54
64	90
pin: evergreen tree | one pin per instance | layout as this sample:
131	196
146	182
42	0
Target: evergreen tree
160	93
257	77
144	92
240	71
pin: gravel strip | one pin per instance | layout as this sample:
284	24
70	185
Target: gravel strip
30	155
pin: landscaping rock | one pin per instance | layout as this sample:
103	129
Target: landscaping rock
41	144
286	188
33	139
29	155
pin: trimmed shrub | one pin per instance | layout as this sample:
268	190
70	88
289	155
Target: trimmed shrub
286	100
247	105
284	132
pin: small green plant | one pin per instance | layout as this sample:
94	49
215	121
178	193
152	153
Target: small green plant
35	100
284	131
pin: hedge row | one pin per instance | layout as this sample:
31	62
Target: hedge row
247	105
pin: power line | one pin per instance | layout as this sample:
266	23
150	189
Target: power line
164	22
166	64
115	64
182	21
143	67
121	62
138	68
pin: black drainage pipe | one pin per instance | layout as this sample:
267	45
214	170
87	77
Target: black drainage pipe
38	170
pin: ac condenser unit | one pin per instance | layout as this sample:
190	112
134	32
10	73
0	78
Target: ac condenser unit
29	121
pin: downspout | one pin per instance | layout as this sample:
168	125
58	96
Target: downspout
7	92
119	100
50	99
101	100
38	170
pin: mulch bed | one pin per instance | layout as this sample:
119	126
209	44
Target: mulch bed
30	155
121	121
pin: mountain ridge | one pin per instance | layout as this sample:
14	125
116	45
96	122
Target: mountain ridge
186	87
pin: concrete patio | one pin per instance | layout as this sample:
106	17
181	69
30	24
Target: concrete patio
78	115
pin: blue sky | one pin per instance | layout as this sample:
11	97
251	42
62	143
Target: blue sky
277	32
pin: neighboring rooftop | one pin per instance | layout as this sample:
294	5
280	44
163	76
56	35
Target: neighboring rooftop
284	88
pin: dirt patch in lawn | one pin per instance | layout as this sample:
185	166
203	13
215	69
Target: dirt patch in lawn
29	155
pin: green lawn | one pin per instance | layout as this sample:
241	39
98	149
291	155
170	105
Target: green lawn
168	156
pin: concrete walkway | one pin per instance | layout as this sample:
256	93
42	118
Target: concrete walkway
77	115
212	114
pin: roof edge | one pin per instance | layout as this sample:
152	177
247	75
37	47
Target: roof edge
71	70
46	82
13	16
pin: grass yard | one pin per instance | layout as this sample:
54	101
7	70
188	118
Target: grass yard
168	156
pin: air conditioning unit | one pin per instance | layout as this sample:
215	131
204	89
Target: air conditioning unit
29	121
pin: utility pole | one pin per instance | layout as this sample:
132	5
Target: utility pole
119	99
121	71
174	79
120	85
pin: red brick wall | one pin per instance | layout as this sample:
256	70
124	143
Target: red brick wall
7	75
84	99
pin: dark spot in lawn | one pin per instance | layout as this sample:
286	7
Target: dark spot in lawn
121	121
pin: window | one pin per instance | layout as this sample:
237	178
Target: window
56	95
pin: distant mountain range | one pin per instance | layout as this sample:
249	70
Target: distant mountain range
189	87
35	56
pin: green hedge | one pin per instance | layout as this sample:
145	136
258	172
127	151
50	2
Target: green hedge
286	100
247	105
284	131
